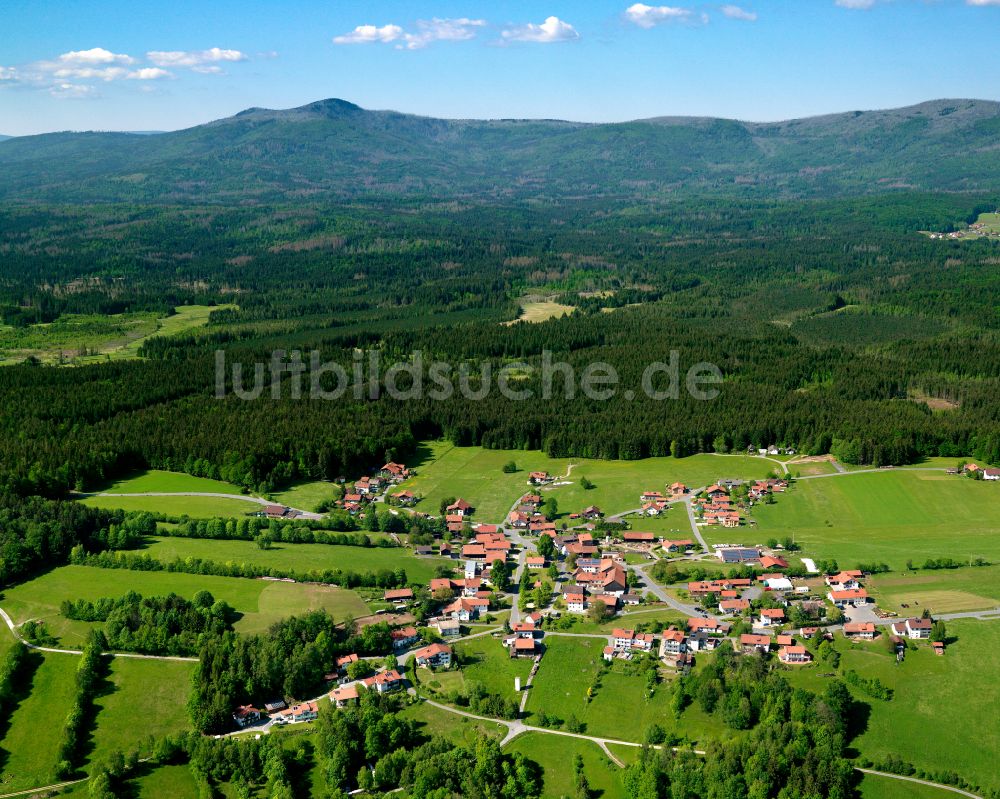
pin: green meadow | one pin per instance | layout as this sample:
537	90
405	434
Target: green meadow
30	745
620	707
943	591
556	754
476	474
155	689
158	480
875	787
300	557
484	660
261	602
195	507
889	516
307	495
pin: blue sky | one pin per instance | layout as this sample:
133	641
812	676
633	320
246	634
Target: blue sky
115	65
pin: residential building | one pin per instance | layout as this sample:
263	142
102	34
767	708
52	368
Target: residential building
433	656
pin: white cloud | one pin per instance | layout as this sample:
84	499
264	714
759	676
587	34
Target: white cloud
197	60
71	91
368	34
649	16
94	56
552	30
428	30
90	73
148	73
982	2
862	5
8	73
735	12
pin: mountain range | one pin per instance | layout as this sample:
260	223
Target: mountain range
334	149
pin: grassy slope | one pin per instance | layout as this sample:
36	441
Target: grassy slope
492	666
158	689
930	691
299	556
476	475
887	516
159	480
557	755
307	496
195	507
873	787
261	602
30	746
619	708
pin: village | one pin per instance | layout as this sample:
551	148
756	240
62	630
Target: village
529	577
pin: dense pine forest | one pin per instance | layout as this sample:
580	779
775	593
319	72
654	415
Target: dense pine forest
836	324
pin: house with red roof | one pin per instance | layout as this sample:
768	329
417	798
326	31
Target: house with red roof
384	681
460	508
344	695
750	643
433	656
794	655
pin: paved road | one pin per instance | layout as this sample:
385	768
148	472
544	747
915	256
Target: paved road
914	779
13	628
306	514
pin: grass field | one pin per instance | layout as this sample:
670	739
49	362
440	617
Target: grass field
307	496
195	507
260	602
875	787
301	557
944	591
158	687
619	708
30	746
476	474
492	666
159	480
889	516
459	729
535	310
808	468
557	755
942	716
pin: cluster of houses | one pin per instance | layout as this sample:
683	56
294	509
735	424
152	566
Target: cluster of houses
988	473
654	503
523	641
370	487
716	507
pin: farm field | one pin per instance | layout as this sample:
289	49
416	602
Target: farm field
159	687
30	745
301	557
890	516
474	473
943	591
260	602
810	468
557	754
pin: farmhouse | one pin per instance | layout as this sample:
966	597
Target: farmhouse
678	546
991	474
435	655
770	562
535	562
626	640
460	508
539	478
522	646
640	538
593	512
396	472
575	598
467	608
405	498
398	595
734	606
678	489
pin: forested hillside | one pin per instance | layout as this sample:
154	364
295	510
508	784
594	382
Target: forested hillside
335	149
